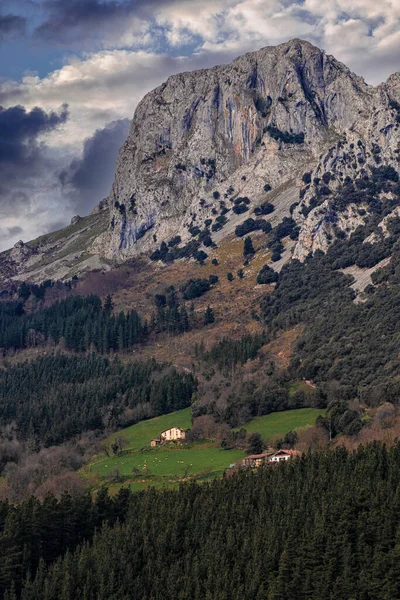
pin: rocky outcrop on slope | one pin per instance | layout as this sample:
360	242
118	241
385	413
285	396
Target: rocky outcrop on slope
57	256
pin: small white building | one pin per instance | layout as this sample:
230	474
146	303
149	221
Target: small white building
175	433
283	455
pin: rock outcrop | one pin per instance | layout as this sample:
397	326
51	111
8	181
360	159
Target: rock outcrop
259	120
287	124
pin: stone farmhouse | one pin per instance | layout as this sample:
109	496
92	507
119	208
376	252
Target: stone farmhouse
173	434
256	460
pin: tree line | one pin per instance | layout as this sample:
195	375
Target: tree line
55	398
324	526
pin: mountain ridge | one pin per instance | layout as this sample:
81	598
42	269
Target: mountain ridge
204	139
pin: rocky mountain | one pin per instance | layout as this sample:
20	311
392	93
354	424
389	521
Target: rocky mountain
287	124
258	121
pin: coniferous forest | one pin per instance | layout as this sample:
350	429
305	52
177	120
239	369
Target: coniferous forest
57	397
310	528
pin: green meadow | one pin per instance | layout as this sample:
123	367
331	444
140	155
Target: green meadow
140	465
277	424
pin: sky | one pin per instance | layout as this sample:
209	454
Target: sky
73	71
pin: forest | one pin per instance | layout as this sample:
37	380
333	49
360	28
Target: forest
83	323
355	344
311	528
55	398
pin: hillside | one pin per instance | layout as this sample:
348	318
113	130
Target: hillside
141	466
268	281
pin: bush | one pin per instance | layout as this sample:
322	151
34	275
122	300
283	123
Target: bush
267	275
200	256
213	279
264	209
209	316
229	276
175	241
240	273
285	136
194	231
250	225
275	256
239	209
194	288
248	248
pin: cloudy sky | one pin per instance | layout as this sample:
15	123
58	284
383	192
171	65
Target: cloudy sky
72	72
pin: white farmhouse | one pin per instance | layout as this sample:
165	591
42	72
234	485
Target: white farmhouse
175	433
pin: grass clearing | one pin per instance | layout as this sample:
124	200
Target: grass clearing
170	461
278	424
140	434
141	466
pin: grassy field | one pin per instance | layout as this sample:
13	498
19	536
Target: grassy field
170	461
277	424
140	465
138	436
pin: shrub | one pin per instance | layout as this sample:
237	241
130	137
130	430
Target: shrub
250	225
213	279
194	288
267	275
285	136
276	256
205	238
264	209
194	231
175	241
241	200
209	316
229	276
200	256
240	209
248	248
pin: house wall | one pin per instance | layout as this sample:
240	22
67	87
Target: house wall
280	458
173	434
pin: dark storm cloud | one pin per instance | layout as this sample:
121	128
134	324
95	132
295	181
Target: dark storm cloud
22	156
11	26
20	128
88	179
80	19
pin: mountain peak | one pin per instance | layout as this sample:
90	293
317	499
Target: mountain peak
203	141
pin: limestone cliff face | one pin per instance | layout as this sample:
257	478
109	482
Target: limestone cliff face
371	141
265	118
